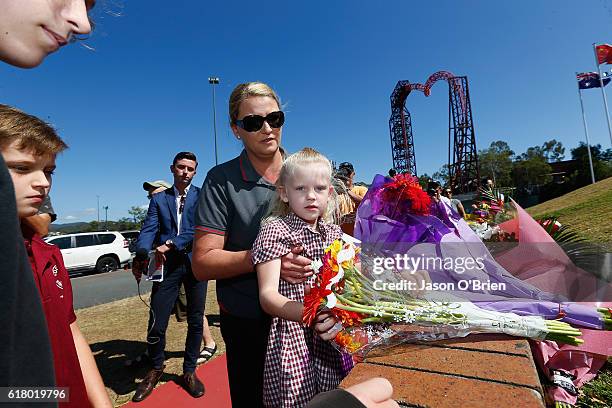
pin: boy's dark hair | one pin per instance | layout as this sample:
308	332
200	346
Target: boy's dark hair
343	174
348	166
32	133
185	155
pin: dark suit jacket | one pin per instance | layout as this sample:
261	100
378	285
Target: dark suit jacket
161	223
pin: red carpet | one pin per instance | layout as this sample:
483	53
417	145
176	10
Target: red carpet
214	376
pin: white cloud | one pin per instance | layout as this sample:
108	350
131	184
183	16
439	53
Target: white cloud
70	217
89	210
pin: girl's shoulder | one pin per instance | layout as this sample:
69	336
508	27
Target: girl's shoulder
274	226
332	231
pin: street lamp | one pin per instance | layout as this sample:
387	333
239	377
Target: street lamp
214	81
105	217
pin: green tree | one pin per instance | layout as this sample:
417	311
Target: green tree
442	176
531	168
424	180
496	162
138	214
602	164
553	151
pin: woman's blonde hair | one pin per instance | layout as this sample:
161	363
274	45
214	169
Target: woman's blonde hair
245	91
304	158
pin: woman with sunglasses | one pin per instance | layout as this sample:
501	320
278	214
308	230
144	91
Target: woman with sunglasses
233	200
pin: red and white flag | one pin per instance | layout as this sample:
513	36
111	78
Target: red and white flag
604	53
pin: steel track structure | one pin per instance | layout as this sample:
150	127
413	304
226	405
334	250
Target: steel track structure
463	170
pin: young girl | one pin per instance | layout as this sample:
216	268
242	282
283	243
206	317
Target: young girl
298	363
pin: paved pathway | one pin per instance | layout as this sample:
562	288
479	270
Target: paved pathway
96	289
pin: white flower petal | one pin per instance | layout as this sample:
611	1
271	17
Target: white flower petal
331	301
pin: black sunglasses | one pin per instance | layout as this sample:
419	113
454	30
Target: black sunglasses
253	123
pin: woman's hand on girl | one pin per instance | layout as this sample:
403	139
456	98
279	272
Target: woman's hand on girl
295	268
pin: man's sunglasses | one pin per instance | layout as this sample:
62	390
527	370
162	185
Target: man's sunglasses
253	123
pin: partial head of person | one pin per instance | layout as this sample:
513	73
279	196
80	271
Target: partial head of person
487	182
256	118
183	169
154	187
433	187
305	188
32	29
348	169
345	176
29	147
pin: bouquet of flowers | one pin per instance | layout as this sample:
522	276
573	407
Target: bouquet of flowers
392	220
372	314
492	210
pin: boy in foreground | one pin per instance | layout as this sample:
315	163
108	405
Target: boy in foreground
29	147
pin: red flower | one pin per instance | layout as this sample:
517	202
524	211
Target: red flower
406	191
347	317
346	341
551	225
312	302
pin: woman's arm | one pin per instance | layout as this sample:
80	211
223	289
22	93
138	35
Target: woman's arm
272	302
460	209
96	392
210	261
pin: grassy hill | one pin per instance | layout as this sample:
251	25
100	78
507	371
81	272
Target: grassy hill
587	211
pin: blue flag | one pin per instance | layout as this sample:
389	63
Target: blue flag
588	80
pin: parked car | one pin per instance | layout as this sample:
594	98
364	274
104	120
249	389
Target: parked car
102	251
131	236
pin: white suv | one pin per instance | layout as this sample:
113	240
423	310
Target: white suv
104	251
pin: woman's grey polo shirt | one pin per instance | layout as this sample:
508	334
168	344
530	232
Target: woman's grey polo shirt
233	200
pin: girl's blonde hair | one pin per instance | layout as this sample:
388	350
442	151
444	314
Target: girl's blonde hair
304	158
248	90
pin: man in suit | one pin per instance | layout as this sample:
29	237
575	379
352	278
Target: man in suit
170	221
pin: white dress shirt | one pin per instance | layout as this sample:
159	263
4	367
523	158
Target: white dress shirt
178	206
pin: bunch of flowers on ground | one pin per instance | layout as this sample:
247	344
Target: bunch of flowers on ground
371	317
488	213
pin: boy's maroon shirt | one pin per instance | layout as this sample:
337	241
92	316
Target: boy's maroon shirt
55	291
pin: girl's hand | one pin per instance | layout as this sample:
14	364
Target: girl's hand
326	325
295	268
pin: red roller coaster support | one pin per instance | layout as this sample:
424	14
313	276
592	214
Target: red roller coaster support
463	170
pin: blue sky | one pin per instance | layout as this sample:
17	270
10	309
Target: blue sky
142	94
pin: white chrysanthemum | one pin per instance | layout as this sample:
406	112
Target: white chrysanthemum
316	265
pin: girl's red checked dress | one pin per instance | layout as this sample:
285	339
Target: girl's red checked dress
298	364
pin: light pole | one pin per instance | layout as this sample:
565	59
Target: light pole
214	81
105	217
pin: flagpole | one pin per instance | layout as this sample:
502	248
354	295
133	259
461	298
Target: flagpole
586	132
603	92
